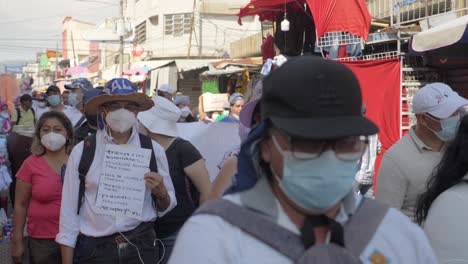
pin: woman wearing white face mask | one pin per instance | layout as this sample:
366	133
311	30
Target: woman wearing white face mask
39	190
183	102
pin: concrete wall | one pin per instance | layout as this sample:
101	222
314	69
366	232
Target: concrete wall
213	30
72	40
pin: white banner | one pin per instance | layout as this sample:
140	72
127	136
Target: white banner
212	140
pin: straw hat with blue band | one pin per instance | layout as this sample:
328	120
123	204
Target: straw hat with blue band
120	89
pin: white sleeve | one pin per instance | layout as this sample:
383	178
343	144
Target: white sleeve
446	229
69	226
163	170
203	239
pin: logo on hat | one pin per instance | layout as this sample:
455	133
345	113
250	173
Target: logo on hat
328	93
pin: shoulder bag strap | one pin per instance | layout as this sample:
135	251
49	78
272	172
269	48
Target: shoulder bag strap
87	157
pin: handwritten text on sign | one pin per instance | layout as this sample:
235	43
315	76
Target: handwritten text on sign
122	187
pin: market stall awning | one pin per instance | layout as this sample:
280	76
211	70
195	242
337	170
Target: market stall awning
265	9
138	71
444	35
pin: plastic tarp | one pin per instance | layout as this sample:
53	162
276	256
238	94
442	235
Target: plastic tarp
447	34
380	85
350	16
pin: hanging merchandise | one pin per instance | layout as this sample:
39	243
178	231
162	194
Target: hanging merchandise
290	43
210	86
268	48
351	16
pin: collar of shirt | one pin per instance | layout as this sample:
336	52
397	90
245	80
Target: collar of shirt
261	199
418	142
108	139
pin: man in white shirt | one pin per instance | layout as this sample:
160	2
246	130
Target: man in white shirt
304	155
96	236
407	165
54	100
77	87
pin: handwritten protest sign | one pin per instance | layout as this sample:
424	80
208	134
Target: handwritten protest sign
215	102
122	187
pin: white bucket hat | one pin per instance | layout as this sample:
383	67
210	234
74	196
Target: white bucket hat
161	118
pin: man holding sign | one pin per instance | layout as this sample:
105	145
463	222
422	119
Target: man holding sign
116	184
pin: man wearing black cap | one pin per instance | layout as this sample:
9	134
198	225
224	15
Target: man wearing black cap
88	125
304	156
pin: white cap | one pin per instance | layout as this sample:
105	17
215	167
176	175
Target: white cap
437	99
161	118
166	88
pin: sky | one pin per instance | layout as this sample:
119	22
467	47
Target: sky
30	26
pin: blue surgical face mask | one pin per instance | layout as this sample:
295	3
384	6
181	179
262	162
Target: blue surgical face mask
73	99
449	128
54	100
316	184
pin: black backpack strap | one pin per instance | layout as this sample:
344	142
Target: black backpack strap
147	143
87	157
34	114
280	239
79	123
18	115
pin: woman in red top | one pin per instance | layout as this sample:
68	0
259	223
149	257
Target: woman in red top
39	190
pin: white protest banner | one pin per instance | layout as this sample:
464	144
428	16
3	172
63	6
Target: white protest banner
212	140
122	186
215	102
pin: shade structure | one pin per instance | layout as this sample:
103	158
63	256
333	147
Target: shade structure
450	33
265	9
77	70
137	71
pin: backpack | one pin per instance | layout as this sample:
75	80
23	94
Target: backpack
87	157
358	232
18	114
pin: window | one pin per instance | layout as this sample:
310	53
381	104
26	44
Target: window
140	33
178	24
154	20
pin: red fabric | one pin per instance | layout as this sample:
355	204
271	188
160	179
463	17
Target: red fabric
46	196
380	84
350	16
268	48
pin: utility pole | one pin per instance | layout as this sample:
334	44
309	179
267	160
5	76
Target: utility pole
192	28
73	47
56	61
121	33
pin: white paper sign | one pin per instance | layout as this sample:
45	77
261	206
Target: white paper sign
122	186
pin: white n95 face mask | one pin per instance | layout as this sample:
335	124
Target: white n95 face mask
53	141
121	120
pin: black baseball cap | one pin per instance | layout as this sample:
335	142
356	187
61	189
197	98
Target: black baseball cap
315	98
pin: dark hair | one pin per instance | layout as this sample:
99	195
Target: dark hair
66	92
450	171
25	98
37	148
52	88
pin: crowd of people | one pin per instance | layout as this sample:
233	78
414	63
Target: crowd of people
299	189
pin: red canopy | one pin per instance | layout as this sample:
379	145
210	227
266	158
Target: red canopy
350	16
265	9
